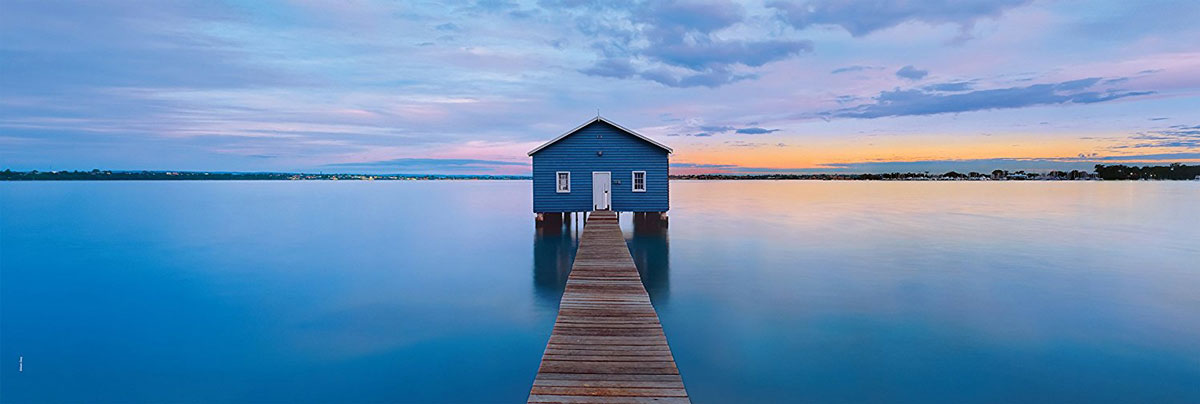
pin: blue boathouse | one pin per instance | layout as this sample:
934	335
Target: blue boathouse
600	166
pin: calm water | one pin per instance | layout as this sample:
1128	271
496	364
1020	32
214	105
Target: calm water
446	292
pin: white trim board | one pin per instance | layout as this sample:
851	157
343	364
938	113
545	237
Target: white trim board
556	188
633	181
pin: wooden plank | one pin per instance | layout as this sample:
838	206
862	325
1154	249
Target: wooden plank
607	345
606	377
646	350
546	398
622	348
607	383
601	357
620	391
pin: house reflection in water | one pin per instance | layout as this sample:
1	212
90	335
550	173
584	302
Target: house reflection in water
556	241
651	250
554	246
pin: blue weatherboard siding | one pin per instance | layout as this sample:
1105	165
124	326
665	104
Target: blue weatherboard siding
623	154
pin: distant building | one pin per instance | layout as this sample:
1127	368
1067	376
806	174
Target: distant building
600	166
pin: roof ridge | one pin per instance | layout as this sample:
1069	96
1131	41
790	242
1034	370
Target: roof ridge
599	118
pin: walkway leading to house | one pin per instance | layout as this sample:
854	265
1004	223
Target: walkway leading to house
607	345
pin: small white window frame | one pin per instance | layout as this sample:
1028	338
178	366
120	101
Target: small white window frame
558	174
633	181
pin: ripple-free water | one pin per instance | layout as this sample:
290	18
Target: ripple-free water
789	291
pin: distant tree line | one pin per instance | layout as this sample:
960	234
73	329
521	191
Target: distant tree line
108	175
950	175
1175	171
1172	172
1102	172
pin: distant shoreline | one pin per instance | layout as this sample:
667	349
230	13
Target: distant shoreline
1102	172
108	175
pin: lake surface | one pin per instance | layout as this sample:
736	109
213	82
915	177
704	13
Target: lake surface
788	291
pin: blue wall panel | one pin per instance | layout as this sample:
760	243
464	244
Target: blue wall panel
622	155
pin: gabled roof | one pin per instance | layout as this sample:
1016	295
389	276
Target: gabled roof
594	120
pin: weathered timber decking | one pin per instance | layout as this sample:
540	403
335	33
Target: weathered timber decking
607	345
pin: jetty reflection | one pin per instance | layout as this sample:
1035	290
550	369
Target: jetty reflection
557	238
651	249
554	245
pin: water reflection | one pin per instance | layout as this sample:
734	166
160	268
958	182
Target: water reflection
557	239
651	249
554	246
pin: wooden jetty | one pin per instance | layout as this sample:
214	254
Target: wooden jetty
607	345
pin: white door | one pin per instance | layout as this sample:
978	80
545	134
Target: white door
601	190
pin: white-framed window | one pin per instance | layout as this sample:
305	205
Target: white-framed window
639	181
563	184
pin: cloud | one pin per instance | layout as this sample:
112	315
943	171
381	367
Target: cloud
709	130
698	134
846	99
718	55
951	87
854	68
1152	157
1132	21
864	17
494	6
711	79
924	102
1176	136
617	68
584	4
675	43
743	143
1077	84
755	131
700	16
427	165
911	73
216	86
74	46
719	128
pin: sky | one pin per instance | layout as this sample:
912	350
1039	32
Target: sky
468	87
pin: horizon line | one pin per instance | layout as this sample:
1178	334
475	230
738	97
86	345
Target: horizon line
530	175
